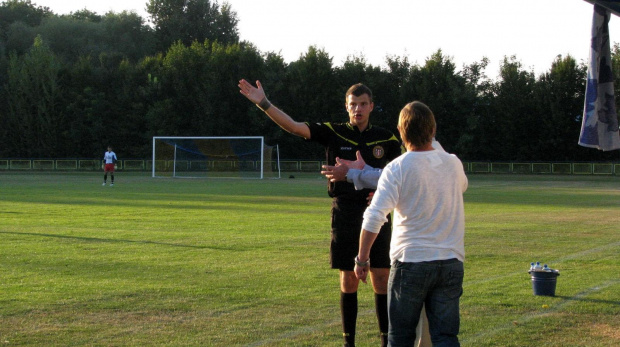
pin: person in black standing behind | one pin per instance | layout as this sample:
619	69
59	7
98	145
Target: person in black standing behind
378	147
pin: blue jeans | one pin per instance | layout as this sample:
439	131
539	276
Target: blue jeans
439	285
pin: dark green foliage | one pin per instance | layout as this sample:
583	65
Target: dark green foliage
24	11
560	93
72	84
192	20
34	121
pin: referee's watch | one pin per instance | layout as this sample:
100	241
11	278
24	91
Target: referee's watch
361	263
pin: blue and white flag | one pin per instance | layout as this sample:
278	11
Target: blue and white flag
599	126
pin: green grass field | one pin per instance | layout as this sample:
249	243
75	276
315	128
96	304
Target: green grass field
182	262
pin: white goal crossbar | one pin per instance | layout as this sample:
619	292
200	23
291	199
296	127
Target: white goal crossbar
213	156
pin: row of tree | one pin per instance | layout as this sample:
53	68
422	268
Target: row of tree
72	84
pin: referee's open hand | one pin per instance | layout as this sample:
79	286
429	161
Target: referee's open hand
254	94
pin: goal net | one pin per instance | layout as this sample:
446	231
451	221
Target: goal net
214	157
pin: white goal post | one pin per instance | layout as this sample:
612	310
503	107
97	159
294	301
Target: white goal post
214	157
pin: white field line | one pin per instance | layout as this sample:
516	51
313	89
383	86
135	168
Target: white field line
568	257
307	330
483	334
293	333
526	318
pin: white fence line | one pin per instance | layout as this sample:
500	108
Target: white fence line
481	167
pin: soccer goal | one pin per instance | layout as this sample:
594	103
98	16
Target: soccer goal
214	157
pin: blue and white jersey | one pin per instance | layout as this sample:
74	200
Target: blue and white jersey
109	157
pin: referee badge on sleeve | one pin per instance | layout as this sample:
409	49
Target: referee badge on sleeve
378	152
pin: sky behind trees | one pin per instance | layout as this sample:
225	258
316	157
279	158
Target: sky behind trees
534	31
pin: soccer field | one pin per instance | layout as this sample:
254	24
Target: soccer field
198	262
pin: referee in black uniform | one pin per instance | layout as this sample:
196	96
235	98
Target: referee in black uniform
378	146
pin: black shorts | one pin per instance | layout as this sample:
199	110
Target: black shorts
347	220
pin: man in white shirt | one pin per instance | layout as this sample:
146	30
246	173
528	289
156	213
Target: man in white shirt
365	176
424	187
358	172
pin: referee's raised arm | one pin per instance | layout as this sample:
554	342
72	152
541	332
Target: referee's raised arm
257	96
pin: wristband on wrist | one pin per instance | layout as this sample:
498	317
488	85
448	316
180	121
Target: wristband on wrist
264	104
361	263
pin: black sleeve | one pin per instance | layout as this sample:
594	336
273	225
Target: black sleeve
319	133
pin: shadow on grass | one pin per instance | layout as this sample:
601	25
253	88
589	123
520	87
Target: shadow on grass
597	301
96	239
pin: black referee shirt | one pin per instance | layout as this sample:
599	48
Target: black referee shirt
378	147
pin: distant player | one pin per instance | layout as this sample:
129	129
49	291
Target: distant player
109	162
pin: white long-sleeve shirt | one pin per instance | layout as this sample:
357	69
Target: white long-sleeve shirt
425	191
368	177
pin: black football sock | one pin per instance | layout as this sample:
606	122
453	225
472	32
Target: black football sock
382	316
105	177
348	309
112	179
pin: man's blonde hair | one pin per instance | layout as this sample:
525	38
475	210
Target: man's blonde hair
416	124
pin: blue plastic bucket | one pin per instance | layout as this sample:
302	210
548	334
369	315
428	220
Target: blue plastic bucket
543	282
